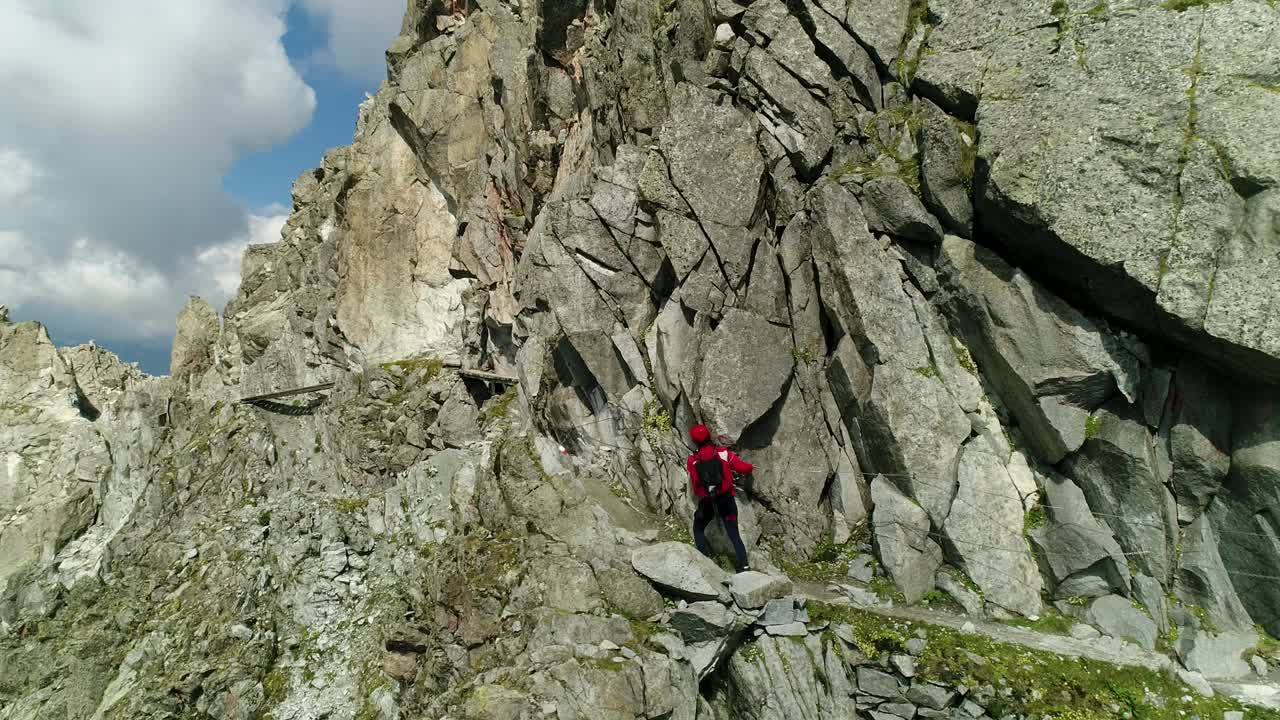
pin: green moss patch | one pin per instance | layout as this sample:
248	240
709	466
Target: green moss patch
1052	623
498	408
656	421
1092	426
432	366
827	562
1031	682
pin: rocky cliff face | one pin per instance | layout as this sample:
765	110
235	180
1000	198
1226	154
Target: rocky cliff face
984	289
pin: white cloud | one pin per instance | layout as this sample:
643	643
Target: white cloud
17	174
359	34
219	265
121	119
95	281
104	287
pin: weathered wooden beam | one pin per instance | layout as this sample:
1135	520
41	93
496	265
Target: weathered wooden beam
464	372
487	376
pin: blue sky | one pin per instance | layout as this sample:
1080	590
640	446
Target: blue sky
144	143
264	178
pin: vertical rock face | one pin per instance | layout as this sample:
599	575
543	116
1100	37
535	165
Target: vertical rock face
197	331
857	239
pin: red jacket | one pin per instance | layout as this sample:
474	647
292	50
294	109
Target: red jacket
731	462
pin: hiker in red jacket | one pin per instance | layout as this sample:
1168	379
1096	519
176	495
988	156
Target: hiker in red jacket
711	470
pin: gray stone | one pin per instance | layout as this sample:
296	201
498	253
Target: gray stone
628	592
860	569
722	211
916	646
702	621
793	629
744	345
984	529
1240	513
907	711
1151	594
1233	715
787	109
1199	430
681	569
901	532
1141	510
920	427
1259	666
966	598
751	590
1073	541
880	684
1049	363
705	657
878	24
1116	616
779	612
1196	681
948	149
1202	579
1217	657
198	327
931	696
904	664
1081	631
892	207
1141	249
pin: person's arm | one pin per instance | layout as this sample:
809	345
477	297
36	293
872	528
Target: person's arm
740	466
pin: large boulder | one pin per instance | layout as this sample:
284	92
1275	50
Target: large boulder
55	464
1148	205
915	429
1116	616
1203	580
1050	364
1073	541
1199	429
746	364
786	108
1139	510
396	297
714	168
1216	656
984	528
948	148
892	207
1244	513
773	676
901	532
197	331
682	570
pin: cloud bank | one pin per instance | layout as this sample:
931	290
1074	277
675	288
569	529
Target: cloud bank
121	119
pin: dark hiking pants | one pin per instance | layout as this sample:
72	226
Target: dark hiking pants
727	508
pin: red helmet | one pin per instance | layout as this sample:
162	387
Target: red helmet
700	434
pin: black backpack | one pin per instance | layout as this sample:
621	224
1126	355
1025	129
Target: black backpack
710	474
